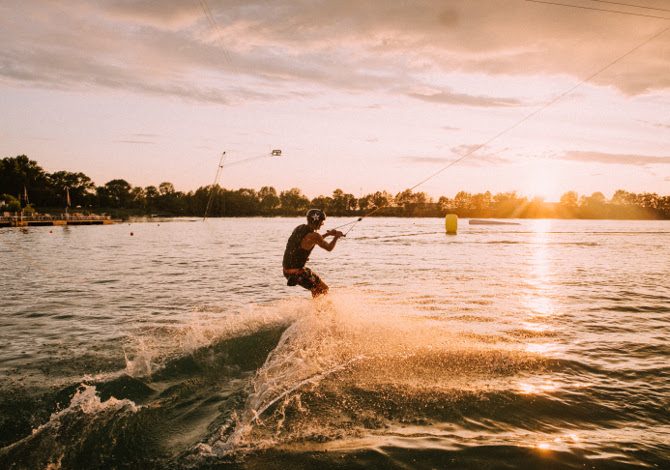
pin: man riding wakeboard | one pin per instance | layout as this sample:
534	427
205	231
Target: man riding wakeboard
298	248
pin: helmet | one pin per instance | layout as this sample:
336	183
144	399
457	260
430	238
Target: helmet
314	216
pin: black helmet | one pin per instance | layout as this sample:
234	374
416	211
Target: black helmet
314	216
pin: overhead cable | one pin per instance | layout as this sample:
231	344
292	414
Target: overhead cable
584	7
632	5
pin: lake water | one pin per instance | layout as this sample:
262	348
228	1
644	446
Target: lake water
177	344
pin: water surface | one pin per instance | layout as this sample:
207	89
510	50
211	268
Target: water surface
177	344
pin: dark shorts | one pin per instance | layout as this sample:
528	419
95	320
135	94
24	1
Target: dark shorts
306	279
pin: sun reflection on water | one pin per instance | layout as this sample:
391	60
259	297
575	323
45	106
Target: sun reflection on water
535	327
563	442
538	300
528	388
541	348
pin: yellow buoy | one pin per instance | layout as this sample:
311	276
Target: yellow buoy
451	224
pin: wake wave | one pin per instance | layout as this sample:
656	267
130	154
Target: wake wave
222	386
348	347
53	444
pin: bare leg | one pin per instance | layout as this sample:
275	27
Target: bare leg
320	289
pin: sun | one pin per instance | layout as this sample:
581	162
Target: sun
542	182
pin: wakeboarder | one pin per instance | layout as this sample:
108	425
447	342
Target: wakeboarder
298	248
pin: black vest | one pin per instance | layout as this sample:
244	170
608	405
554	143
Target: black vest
295	256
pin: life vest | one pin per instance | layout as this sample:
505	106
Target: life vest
295	256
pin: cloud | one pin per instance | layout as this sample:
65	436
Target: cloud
146	142
477	160
286	49
660	125
141	134
142	138
478	155
447	97
615	159
473	155
427	160
170	14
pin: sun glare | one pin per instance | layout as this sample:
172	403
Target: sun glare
542	182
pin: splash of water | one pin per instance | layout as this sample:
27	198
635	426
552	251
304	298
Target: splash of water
148	350
347	342
48	444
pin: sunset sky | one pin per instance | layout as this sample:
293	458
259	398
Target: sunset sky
359	95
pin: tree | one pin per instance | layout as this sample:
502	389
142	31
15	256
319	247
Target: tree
508	204
594	201
364	202
166	188
648	200
403	198
79	186
167	198
462	201
480	203
342	202
250	200
20	174
268	199
9	203
324	203
593	206
242	202
664	207
170	201
151	195
115	193
569	200
293	201
381	199
597	198
351	202
138	197
623	198
445	203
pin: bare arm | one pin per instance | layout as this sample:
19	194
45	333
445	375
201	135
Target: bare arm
315	238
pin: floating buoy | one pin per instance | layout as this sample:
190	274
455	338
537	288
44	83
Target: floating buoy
451	224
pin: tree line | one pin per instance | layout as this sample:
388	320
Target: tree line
24	185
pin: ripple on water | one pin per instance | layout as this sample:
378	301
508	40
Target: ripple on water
519	346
